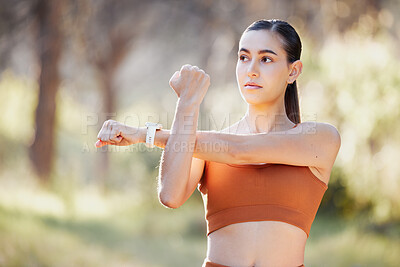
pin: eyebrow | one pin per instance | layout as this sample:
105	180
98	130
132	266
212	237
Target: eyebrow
259	52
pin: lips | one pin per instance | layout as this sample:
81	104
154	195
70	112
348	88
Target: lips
252	85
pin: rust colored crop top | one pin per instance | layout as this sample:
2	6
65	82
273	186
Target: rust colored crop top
270	192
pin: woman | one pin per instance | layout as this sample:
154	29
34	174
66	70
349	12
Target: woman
263	186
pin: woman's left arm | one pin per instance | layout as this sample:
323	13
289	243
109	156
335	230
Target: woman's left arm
308	144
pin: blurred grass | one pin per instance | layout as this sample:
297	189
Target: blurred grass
48	241
343	242
120	235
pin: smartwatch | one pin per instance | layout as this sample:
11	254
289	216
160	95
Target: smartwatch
152	127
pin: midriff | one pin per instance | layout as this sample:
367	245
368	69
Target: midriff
261	243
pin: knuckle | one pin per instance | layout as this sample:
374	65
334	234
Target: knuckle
186	68
176	73
107	123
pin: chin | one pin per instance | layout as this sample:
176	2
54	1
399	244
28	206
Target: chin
252	99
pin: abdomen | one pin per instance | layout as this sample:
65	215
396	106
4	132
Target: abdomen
264	243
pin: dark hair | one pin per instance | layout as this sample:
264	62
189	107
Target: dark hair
292	46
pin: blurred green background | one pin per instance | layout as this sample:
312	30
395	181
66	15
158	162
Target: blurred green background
67	65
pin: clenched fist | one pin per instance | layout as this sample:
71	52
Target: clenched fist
190	84
116	133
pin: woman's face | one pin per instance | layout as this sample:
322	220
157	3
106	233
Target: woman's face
262	70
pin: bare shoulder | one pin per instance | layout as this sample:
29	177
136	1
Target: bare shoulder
314	127
327	136
321	131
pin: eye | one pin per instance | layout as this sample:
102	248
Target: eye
243	58
266	59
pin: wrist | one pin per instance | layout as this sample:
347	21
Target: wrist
142	134
188	104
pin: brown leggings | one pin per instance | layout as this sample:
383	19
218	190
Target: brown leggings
208	263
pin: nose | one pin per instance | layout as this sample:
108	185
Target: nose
253	70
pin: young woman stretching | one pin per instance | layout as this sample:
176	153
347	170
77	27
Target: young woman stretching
264	180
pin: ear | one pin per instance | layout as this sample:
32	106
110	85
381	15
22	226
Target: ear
295	70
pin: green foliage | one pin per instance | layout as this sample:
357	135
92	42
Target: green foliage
361	95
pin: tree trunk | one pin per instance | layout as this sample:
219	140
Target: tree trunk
108	65
50	42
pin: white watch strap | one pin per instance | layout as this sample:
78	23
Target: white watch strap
151	132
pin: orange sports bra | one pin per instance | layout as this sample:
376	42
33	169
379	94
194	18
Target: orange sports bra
269	192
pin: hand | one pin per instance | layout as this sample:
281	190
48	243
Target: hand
118	134
190	83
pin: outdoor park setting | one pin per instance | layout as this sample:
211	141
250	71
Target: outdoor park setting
67	66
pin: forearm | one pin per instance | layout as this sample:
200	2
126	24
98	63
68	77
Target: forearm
210	145
177	156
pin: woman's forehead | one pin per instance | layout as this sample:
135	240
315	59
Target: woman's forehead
258	40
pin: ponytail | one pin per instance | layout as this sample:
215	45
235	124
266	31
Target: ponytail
292	103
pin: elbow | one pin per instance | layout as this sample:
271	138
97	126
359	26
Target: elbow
168	201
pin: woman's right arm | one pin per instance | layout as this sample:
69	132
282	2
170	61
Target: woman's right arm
177	156
176	177
191	85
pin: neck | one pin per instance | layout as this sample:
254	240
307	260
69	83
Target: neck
267	118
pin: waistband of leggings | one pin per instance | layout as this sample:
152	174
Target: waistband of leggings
208	263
